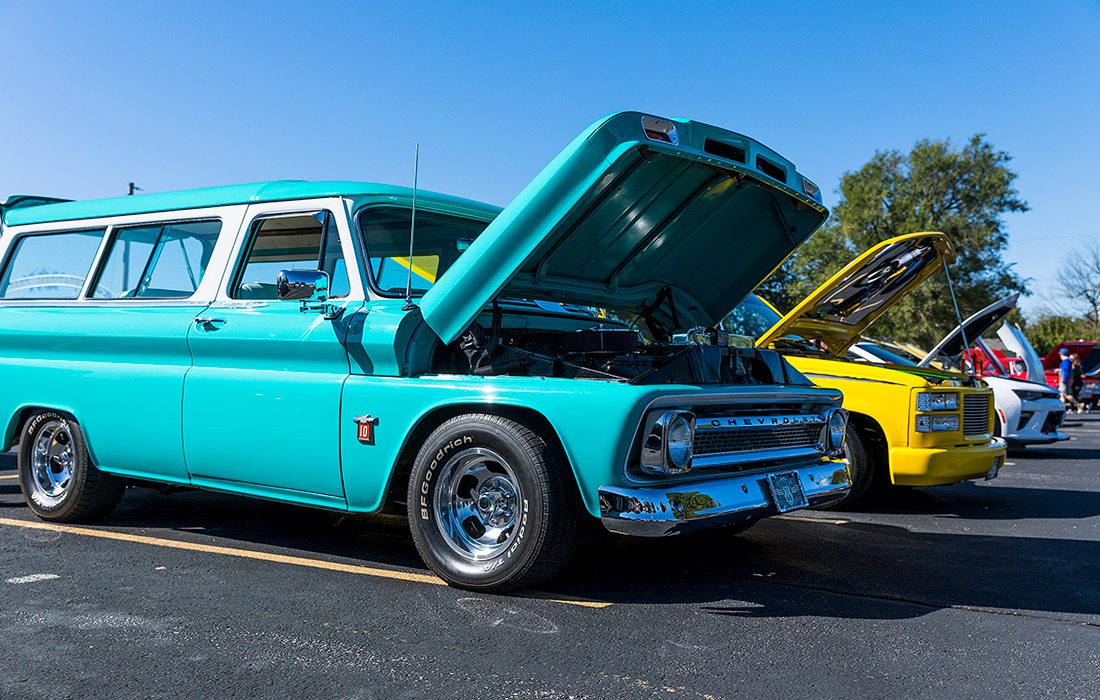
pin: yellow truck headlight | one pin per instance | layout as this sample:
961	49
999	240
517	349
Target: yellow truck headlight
938	401
937	424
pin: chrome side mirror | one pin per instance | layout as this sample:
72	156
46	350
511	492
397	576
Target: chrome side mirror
307	286
310	287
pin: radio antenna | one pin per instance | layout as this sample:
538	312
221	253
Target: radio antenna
409	305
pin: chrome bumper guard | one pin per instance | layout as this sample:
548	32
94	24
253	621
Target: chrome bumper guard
661	510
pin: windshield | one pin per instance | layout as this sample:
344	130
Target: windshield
440	239
752	318
885	355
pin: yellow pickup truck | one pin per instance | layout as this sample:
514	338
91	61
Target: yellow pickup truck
909	426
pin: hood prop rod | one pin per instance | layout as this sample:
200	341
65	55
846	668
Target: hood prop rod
958	316
409	305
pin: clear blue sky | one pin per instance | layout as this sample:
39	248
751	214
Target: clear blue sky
174	95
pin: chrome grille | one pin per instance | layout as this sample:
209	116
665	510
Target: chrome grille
726	441
976	414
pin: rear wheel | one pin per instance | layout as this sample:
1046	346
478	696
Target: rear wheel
56	474
491	506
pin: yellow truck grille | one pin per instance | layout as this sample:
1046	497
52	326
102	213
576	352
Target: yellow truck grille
976	414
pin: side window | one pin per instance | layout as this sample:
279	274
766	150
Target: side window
165	261
298	242
440	240
49	266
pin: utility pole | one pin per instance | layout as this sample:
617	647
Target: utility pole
133	188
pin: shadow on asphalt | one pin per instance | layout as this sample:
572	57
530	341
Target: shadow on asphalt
970	501
778	568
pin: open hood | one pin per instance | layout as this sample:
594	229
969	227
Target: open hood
839	311
974	327
672	220
1015	341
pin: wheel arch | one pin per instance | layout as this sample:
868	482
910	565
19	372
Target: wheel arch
24	411
871	431
394	497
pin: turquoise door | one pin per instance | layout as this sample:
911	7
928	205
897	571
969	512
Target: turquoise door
261	403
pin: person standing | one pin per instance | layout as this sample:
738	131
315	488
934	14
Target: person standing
1077	380
1065	380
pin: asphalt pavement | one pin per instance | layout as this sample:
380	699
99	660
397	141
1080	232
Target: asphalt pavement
973	590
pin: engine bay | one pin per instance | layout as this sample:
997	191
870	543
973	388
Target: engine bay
699	356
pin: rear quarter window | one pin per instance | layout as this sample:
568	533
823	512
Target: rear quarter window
162	261
49	265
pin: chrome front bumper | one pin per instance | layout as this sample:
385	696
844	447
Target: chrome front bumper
672	509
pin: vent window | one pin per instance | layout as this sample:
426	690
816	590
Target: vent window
728	151
771	169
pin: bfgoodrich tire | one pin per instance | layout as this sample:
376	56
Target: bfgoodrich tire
491	506
56	474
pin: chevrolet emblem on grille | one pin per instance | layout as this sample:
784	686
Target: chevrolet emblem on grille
757	421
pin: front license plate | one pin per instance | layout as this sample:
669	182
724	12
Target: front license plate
787	491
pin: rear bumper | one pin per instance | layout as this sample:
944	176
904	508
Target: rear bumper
923	466
657	511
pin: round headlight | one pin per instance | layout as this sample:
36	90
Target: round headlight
680	440
836	425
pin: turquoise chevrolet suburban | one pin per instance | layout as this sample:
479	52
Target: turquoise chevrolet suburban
498	375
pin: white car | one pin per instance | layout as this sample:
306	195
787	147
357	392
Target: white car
1028	413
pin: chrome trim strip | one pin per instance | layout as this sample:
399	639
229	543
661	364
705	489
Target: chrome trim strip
736	423
782	394
672	509
730	459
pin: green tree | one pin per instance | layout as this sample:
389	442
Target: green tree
964	192
1047	331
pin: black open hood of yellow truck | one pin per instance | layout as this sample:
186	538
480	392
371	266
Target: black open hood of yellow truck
839	311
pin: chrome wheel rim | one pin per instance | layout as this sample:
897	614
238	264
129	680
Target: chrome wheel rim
478	503
52	460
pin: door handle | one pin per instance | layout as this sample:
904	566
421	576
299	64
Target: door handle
207	323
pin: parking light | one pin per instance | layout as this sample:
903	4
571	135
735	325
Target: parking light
811	190
660	130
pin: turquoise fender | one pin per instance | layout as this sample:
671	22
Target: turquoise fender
594	420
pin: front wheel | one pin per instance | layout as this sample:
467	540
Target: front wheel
491	506
866	474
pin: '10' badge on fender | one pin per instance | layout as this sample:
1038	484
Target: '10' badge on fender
366	428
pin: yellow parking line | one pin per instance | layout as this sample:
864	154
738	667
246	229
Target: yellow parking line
9	476
265	556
